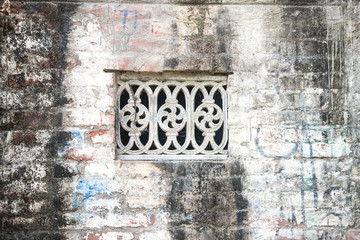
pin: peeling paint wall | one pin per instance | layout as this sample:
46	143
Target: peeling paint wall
292	170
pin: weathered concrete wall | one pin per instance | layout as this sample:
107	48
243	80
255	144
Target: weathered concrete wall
292	170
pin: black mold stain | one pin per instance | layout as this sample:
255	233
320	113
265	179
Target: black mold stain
314	54
61	171
240	201
16	79
34	236
174	28
57	142
172	63
224	37
206	200
48	23
205	52
318	51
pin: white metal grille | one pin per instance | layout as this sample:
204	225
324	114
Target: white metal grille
172	115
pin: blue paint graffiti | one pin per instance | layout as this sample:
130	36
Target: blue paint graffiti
137	16
126	12
88	188
76	140
261	151
333	145
76	203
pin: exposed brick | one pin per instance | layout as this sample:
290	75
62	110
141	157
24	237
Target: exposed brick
26	137
102	136
6	26
30	79
22	62
124	63
17	80
155	65
353	235
130	13
37	119
119	27
96	10
140	44
81	153
50	61
105	27
73	61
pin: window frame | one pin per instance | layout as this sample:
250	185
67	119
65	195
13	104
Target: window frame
171	76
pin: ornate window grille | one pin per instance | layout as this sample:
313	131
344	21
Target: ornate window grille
181	115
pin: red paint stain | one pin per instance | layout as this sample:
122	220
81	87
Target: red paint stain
155	30
80	154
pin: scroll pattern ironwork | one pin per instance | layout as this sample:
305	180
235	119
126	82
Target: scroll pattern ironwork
171	117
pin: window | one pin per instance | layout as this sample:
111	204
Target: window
181	115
